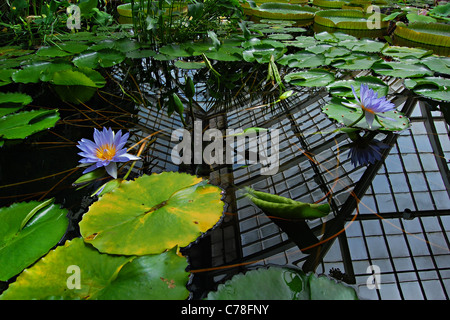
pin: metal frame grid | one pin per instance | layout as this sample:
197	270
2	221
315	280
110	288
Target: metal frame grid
402	221
396	218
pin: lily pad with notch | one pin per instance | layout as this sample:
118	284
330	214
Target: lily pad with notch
28	230
348	116
310	78
152	213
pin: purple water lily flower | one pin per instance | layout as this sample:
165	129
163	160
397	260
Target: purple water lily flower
370	104
106	149
363	152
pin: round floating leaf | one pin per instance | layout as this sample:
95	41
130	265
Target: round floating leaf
30	73
355	61
310	78
346	19
21	125
226	53
73	46
343	88
175	51
437	64
262	52
53	51
280	36
190	65
13	101
437	34
302	42
432	87
87	60
5	76
27	231
152	213
139	54
363	45
152	277
404	52
393	121
302	60
401	70
276	283
282	11
49	277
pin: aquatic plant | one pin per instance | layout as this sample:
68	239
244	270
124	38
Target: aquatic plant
106	150
370	104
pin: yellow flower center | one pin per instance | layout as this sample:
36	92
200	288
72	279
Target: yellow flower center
366	109
106	152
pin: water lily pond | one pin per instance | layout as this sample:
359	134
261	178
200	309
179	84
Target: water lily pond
225	150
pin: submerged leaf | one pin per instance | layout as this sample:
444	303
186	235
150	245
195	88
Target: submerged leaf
274	205
276	283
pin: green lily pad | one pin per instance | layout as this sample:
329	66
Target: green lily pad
77	271
262	52
30	73
404	52
346	19
280	36
41	71
394	121
150	277
310	78
282	11
437	64
28	230
401	70
105	58
302	60
139	54
226	53
5	76
13	101
52	52
363	45
437	34
432	87
343	88
278	206
152	213
276	283
85	77
355	61
23	124
175	51
190	65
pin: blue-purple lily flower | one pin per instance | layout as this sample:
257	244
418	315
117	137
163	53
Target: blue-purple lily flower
371	105
362	152
105	151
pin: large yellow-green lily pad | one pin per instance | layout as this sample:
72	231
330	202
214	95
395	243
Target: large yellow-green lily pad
152	213
76	271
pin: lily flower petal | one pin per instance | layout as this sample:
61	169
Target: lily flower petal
105	151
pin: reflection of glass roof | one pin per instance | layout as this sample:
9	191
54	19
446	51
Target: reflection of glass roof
401	222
